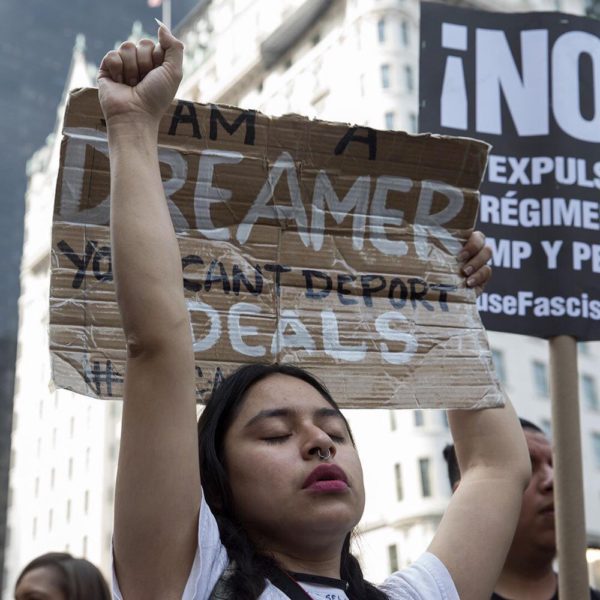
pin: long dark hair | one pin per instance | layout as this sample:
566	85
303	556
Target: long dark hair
78	578
248	580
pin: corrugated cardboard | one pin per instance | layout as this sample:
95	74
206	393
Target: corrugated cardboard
330	246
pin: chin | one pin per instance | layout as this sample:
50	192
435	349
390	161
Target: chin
333	520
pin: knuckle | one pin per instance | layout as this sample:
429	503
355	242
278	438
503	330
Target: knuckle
127	46
478	239
146	43
112	57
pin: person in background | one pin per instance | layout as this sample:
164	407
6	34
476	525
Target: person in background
528	572
60	576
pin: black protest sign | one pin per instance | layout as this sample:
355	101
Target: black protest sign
323	244
529	84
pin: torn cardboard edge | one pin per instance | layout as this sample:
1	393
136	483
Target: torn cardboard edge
351	234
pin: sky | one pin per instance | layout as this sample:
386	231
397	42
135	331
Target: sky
36	42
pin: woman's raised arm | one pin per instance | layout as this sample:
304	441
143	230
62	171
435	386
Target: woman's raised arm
158	483
478	526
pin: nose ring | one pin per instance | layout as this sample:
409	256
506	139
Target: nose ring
324	455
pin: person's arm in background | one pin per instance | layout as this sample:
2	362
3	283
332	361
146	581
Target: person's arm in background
157	494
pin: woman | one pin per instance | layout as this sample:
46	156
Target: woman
279	469
59	576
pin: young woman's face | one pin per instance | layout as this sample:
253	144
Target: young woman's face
284	494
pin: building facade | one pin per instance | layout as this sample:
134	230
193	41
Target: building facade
341	60
64	446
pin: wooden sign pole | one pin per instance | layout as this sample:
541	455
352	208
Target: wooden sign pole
568	476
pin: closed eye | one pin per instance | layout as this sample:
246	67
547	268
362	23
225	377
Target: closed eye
277	439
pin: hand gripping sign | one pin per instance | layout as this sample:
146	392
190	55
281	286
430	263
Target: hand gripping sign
330	246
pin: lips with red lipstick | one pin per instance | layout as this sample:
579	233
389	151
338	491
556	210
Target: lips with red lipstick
326	478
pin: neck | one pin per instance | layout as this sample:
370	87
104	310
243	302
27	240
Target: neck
527	578
313	554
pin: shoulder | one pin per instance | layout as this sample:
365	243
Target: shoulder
426	579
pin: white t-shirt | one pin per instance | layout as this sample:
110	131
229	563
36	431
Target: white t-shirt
425	579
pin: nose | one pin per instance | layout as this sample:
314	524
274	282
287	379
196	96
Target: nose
317	444
547	477
323	454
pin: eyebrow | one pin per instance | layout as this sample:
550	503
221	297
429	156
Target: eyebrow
286	413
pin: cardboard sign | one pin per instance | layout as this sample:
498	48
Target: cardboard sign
529	84
329	246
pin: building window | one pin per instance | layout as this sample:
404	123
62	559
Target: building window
405	33
68	510
540	378
50	519
70	468
381	30
34	528
36	487
393	557
418	418
498	360
412	123
385	76
596	448
86	501
389	120
393	421
52	478
409	79
398	480
590	393
72	427
84	545
424	471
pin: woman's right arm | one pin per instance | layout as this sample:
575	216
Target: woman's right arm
157	495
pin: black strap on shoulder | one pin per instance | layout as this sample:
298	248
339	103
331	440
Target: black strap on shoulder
280	579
